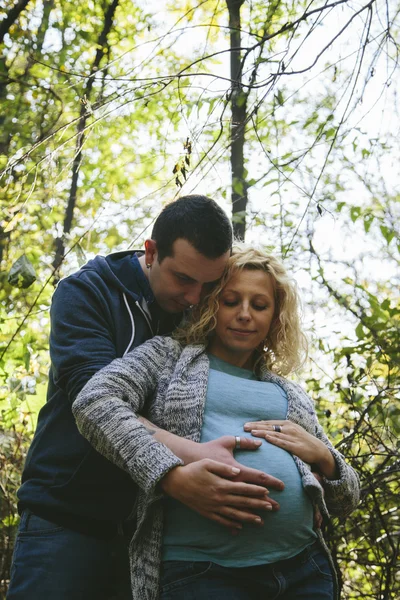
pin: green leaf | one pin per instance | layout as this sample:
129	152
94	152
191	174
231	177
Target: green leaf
368	220
239	217
238	187
26	358
387	233
280	98
355	212
241	99
275	180
310	120
360	331
22	274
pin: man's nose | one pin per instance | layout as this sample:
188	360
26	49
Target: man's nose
193	295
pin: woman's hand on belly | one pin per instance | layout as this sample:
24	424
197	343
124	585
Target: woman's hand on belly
296	440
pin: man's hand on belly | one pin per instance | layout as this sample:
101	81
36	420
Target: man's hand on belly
222	450
214	490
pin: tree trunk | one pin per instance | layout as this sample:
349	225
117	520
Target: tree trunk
238	100
69	213
5	25
11	17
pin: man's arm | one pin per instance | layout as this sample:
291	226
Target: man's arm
81	340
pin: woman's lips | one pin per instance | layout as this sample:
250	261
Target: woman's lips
242	332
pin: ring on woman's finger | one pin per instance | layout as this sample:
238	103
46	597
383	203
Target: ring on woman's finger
277	428
237	442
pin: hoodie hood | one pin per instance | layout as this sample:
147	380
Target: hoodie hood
122	270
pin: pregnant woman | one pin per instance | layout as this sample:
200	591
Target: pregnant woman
224	370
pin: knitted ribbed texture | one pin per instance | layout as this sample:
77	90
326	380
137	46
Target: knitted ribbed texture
169	385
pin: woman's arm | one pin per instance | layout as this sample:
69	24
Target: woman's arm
296	440
106	412
340	481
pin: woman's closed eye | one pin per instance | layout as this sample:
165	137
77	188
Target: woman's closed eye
260	307
230	302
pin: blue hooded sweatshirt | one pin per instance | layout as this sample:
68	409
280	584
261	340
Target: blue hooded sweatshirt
97	315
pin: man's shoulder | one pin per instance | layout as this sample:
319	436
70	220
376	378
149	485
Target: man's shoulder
89	274
80	288
102	274
104	268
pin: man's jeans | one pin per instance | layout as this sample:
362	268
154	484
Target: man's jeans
55	563
307	576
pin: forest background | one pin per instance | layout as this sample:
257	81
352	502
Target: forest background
284	112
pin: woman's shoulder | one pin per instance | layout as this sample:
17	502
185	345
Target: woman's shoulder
165	342
158	350
293	389
165	346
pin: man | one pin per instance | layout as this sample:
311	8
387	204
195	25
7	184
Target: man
73	501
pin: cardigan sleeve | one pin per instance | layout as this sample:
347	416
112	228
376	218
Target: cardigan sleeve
107	408
342	495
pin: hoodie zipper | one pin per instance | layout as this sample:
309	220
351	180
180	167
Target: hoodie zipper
133	322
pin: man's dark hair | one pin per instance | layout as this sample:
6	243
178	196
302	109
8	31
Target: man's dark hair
197	219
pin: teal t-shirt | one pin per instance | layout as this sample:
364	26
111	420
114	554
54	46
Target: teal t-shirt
235	396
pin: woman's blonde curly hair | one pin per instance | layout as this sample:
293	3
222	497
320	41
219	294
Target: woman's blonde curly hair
285	348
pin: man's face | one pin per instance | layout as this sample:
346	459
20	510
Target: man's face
180	279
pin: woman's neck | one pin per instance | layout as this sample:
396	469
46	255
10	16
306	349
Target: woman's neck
237	359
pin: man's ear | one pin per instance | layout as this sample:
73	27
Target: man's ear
150	252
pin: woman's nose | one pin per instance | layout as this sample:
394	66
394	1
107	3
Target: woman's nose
244	313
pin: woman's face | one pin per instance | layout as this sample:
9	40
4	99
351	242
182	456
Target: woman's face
246	311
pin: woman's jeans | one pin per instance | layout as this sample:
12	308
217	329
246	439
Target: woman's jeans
56	563
307	576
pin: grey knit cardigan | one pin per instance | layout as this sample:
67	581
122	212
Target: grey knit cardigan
168	385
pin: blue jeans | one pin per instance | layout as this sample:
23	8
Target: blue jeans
56	563
307	576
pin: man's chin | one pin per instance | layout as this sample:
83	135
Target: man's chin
173	307
179	307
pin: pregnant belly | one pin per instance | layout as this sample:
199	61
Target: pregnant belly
295	508
284	533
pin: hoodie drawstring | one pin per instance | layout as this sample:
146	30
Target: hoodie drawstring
132	323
